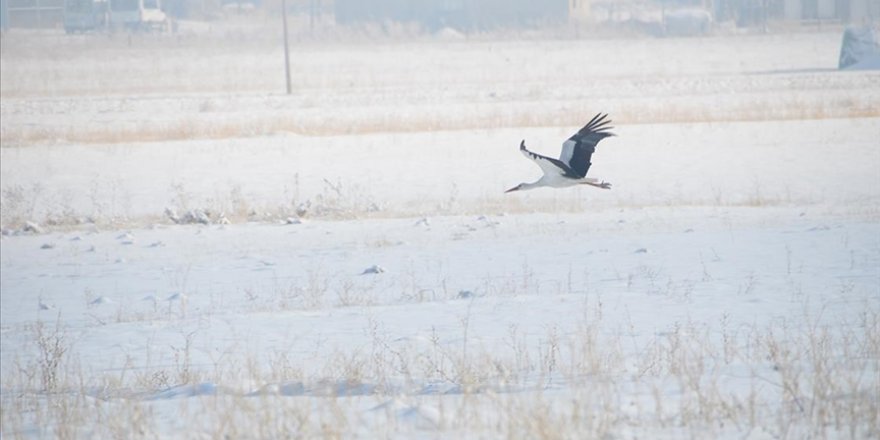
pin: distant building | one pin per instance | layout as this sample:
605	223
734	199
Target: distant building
750	12
462	14
847	11
32	13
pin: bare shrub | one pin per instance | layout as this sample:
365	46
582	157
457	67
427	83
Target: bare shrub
52	345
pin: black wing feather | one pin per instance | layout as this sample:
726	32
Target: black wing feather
556	165
585	141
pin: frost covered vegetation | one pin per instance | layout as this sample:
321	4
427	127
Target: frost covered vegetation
188	253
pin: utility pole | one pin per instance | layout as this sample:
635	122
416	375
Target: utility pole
313	10
286	48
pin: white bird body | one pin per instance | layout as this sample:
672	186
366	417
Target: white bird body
556	180
574	160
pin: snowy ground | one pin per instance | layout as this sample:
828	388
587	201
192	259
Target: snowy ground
362	274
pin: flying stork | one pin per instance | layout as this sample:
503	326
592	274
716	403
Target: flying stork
574	161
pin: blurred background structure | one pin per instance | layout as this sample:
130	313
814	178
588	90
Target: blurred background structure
651	16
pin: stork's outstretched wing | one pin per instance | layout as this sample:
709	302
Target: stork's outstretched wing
548	165
579	148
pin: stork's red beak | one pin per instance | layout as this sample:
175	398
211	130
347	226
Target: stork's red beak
515	188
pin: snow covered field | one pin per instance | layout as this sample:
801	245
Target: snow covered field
346	263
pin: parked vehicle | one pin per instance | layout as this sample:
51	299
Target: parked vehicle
860	49
138	15
85	15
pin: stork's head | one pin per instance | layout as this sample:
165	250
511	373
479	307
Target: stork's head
521	186
524	186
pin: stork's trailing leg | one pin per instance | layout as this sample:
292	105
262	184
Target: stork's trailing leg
603	185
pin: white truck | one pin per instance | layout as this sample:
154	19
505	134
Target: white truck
138	15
